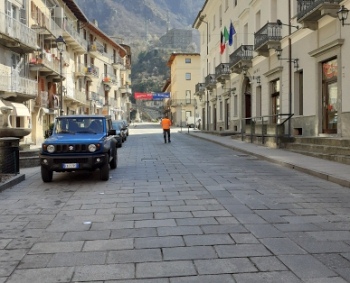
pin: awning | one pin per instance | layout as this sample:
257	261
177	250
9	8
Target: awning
42	111
18	108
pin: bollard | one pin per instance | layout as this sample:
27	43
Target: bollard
9	155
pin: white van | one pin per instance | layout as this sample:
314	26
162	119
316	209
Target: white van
192	122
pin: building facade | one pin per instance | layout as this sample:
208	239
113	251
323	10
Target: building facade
184	71
274	63
55	62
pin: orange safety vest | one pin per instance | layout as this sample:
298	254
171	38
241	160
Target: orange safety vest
166	123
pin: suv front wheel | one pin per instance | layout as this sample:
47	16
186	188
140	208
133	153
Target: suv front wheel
46	174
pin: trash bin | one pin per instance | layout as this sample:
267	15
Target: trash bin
9	155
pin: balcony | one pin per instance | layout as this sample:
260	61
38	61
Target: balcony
45	26
92	72
125	89
19	88
222	72
269	36
47	64
42	99
96	99
118	63
109	79
200	88
310	11
96	49
241	58
74	97
80	70
17	36
72	36
210	82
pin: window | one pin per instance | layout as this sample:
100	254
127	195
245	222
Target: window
188	60
235	106
105	47
188	96
188	76
235	3
220	111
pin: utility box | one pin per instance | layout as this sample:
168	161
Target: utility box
9	155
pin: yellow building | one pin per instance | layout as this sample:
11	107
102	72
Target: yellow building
184	72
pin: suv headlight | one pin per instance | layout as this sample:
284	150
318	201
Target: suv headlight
50	148
92	147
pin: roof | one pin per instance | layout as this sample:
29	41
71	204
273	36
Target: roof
166	84
87	24
174	54
197	22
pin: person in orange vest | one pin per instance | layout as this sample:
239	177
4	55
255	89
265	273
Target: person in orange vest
166	123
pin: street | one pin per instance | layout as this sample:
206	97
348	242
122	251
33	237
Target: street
191	211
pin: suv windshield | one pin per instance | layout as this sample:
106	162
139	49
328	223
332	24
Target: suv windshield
79	125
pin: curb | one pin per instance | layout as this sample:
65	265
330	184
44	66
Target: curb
12	182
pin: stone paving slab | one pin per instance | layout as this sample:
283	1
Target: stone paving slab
191	211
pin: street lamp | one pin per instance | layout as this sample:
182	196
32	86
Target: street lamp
60	45
343	15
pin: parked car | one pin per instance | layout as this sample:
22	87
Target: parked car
118	134
119	124
79	142
126	127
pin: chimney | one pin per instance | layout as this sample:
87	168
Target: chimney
95	23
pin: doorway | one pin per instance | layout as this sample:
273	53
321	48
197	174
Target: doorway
227	113
275	101
329	97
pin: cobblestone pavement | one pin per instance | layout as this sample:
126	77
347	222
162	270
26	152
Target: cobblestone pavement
186	212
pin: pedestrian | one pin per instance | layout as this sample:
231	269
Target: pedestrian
166	123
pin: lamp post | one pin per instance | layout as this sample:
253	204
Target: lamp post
343	15
60	45
201	19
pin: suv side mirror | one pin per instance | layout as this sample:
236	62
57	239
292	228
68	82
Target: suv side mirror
112	132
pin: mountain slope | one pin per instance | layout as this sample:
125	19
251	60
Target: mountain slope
134	20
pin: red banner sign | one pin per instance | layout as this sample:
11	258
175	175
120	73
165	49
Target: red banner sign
143	96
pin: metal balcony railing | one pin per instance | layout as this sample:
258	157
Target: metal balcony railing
93	96
92	71
269	32
109	78
243	53
200	87
80	96
18	31
97	49
45	23
210	81
15	83
72	31
306	6
48	60
222	71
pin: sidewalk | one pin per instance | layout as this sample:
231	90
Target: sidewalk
332	171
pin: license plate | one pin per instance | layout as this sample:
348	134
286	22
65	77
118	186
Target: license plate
70	165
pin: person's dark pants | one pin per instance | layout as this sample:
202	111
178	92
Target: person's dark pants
166	133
